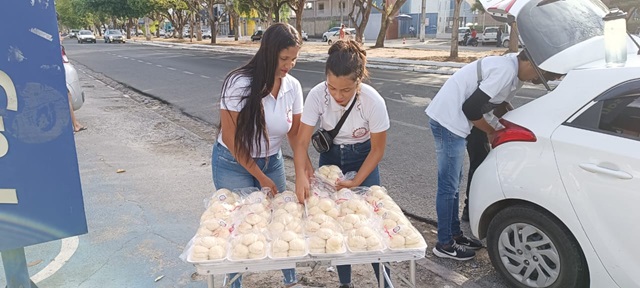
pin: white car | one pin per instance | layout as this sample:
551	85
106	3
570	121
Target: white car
556	198
86	36
349	34
73	82
305	37
331	31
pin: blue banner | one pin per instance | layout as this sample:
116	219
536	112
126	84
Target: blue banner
40	191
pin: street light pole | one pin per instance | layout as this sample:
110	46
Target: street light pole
423	20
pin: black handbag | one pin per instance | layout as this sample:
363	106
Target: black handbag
323	139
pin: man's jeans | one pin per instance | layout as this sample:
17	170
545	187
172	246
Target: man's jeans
450	152
229	174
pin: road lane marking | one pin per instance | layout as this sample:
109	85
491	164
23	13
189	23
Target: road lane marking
125	57
69	246
158	65
140	61
225	59
205	77
147	63
171	68
8	196
187	72
409	125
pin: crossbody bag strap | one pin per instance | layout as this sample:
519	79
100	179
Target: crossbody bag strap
479	70
335	130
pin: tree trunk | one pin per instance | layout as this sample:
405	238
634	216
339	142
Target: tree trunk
453	54
199	27
236	27
382	34
115	22
147	33
129	25
513	38
212	23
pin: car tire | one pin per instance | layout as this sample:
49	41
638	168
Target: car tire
324	39
329	42
505	44
508	252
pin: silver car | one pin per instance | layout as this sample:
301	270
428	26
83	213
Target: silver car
111	36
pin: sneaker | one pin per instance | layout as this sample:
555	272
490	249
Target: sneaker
465	214
453	251
347	286
468	243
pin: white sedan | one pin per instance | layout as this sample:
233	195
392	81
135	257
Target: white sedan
349	34
556	199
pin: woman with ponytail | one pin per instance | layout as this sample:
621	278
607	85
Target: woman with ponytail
360	143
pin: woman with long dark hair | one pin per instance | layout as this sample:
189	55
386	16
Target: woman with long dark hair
360	143
260	105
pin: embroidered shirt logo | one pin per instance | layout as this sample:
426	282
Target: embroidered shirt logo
360	132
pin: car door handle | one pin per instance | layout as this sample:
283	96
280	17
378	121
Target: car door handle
602	170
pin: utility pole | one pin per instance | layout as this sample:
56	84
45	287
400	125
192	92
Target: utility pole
340	5
423	20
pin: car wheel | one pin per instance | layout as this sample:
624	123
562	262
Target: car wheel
324	39
505	44
530	248
329	42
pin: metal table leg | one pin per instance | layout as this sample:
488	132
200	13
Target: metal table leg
412	272
210	281
381	273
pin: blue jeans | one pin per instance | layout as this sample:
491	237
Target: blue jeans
229	174
349	157
450	150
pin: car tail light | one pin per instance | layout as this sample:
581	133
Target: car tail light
512	132
65	59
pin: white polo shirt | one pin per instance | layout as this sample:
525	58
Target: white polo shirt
278	111
499	81
369	114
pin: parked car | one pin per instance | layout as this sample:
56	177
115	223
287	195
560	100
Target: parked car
257	36
86	36
330	32
556	198
461	32
206	34
490	35
305	37
73	82
111	36
73	33
349	34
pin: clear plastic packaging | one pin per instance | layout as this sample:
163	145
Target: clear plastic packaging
217	210
215	227
366	239
250	246
283	198
405	237
288	245
201	250
327	241
285	222
392	219
253	195
316	222
317	205
329	174
225	196
294	209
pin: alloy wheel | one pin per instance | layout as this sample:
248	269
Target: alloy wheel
529	255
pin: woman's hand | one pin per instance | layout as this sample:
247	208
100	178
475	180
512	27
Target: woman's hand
346	184
302	189
266	182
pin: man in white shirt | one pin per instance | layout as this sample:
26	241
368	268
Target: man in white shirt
456	110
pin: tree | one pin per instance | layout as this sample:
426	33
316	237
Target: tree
389	9
453	53
70	15
362	11
298	7
513	35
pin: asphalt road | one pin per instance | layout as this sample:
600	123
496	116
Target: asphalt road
191	81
